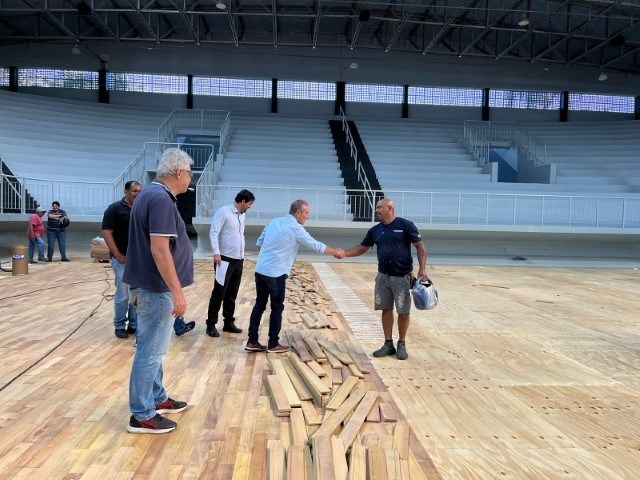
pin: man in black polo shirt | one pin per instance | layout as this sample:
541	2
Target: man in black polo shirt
115	231
393	237
159	266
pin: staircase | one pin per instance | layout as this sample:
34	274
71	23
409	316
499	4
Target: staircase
12	193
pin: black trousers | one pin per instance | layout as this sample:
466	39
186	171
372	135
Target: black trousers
225	295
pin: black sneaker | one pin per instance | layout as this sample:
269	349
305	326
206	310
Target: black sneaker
65	260
171	406
212	331
187	328
157	424
402	351
387	349
231	328
131	330
121	333
32	262
48	260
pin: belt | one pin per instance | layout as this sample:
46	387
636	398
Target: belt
231	260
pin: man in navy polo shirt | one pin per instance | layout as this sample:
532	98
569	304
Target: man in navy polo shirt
115	231
159	266
393	237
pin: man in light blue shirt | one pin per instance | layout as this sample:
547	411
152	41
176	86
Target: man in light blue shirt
278	246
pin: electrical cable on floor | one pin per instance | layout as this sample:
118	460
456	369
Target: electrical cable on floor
50	288
4	269
104	297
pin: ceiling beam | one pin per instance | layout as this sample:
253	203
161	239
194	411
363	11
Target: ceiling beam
603	43
446	25
136	5
508	10
187	19
403	21
316	23
274	16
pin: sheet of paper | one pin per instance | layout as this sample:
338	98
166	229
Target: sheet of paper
221	272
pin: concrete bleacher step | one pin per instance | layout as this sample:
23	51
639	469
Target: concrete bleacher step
587	180
267	169
284	156
409	171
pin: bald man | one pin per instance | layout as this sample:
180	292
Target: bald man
393	236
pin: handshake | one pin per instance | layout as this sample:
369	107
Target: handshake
338	253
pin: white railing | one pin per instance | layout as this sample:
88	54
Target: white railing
362	176
194	122
440	208
479	137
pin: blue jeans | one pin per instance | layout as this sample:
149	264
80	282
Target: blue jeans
274	288
155	323
39	242
121	304
61	237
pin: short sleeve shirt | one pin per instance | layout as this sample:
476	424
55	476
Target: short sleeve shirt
394	245
154	213
55	224
116	218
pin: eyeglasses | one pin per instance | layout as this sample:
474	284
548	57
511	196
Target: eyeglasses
189	172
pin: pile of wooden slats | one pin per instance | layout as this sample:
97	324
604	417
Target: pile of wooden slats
332	412
308	303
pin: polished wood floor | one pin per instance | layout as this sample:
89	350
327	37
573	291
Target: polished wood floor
519	373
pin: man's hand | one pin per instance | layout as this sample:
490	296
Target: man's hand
339	253
179	304
217	260
423	275
121	259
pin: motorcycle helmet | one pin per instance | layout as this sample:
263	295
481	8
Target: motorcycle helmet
425	295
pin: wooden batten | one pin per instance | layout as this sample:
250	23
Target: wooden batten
377	463
296	469
401	433
283	407
342	393
331	424
357	462
278	368
299	386
352	427
299	433
300	346
374	414
310	413
313	347
340	468
387	412
275	461
316	386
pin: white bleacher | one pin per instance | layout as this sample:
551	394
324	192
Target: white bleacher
272	151
593	157
57	139
411	155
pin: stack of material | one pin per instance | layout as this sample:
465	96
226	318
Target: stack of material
340	425
99	250
308	303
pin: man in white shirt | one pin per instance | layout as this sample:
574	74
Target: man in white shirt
227	244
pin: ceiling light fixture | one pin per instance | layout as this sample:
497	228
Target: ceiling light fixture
76	49
354	65
524	21
221	5
603	76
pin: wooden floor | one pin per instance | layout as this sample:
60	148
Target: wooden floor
519	373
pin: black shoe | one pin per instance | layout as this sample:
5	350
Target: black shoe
231	328
48	260
157	424
402	354
387	349
121	333
187	328
212	331
42	259
65	260
171	406
131	330
33	262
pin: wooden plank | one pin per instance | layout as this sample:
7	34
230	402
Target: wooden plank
309	464
315	368
275	461
340	468
330	425
357	462
336	376
331	347
374	414
299	434
316	386
387	412
314	348
393	463
322	457
354	370
310	414
301	389
371	439
377	463
342	393
278	368
401	439
300	346
283	407
296	469
352	427
333	361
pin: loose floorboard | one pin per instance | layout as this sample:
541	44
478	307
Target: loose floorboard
519	373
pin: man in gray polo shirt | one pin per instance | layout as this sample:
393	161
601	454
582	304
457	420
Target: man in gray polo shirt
159	266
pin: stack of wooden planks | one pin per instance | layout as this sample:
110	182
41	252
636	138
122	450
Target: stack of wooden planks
310	304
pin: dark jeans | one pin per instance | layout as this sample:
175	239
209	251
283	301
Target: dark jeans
61	237
274	288
226	294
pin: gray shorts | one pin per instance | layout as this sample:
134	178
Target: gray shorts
392	290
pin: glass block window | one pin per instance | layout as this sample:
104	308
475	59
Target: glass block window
306	90
451	97
601	103
231	87
373	93
529	100
147	83
39	77
4	77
